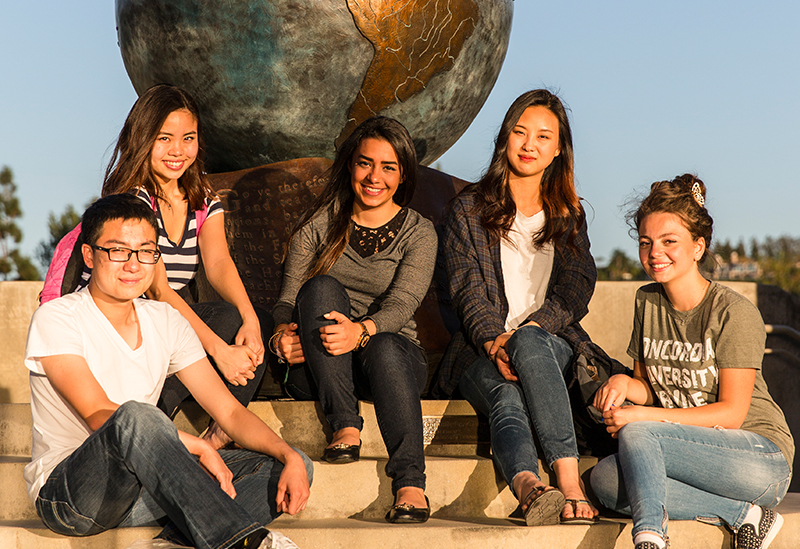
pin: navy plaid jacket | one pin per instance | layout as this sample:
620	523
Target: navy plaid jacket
475	285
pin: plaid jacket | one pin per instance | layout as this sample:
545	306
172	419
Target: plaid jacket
475	284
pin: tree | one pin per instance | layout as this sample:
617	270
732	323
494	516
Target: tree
740	249
13	265
723	250
620	267
754	253
58	228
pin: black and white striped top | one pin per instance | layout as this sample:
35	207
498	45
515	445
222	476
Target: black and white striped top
181	258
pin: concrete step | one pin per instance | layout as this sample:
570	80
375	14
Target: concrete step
457	487
438	533
451	427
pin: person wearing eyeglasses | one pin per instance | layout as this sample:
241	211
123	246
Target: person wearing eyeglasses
104	456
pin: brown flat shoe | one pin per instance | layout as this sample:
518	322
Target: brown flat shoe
543	506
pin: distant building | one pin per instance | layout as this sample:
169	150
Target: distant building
736	269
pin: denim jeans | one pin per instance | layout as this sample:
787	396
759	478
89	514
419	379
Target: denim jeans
135	471
391	371
688	472
539	399
225	321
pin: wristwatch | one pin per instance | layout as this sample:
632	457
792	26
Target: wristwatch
363	339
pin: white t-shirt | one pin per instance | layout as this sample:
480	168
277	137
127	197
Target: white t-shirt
526	270
73	325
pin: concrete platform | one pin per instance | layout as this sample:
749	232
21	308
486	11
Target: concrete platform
457	487
438	533
451	427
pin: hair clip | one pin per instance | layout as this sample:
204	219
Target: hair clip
697	193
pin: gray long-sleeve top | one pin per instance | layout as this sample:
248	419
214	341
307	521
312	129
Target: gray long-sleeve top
386	287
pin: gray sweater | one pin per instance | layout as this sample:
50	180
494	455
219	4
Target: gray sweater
386	287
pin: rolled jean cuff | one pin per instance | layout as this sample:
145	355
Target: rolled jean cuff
553	459
408	483
340	422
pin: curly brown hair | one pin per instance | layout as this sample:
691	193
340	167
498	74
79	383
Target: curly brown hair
684	197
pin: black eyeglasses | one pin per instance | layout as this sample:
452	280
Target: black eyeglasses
122	255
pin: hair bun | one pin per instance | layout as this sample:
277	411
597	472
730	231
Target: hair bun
695	187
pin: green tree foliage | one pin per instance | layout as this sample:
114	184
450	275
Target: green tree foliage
13	265
58	227
621	267
754	253
779	259
740	249
723	250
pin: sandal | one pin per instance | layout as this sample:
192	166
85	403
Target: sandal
543	506
575	519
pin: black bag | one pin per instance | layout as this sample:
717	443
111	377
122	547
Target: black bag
590	371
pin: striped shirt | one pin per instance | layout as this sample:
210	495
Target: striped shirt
181	258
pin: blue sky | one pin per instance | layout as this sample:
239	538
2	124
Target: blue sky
655	89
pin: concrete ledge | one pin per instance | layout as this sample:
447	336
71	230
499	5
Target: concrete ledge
471	533
18	300
452	427
15	430
609	323
457	487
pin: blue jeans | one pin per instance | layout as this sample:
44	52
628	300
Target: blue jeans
134	471
688	472
539	399
225	321
391	371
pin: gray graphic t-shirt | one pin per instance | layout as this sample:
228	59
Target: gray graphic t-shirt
683	352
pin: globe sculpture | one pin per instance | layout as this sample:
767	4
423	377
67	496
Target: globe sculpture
283	79
280	83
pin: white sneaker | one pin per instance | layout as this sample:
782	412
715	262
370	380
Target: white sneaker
752	536
276	540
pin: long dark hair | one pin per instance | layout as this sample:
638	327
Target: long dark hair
561	204
338	196
129	167
685	197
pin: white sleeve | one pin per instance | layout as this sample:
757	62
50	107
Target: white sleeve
186	346
53	331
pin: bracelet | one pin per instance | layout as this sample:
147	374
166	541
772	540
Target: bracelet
363	338
273	343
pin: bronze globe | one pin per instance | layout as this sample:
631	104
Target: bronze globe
284	79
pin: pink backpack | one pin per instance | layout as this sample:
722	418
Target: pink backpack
62	269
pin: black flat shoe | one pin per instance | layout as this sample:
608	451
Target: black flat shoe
342	453
405	513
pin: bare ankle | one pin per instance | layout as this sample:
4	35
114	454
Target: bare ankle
347	435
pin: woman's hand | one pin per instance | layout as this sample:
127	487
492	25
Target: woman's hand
616	417
289	344
612	393
236	363
342	337
250	335
496	350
